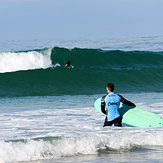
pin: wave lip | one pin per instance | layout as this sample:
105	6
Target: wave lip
16	61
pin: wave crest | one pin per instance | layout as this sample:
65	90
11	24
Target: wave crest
16	61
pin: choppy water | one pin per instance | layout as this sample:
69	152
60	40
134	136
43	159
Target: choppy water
47	112
45	128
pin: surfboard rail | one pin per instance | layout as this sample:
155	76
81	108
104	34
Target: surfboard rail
135	116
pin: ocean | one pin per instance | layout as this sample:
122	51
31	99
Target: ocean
47	111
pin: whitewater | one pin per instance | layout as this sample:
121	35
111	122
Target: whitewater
40	128
47	112
12	61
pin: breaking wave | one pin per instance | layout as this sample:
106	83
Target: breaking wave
41	72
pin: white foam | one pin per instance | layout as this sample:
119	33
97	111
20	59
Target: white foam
86	144
80	128
11	61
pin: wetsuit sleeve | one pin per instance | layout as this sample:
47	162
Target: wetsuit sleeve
124	101
103	104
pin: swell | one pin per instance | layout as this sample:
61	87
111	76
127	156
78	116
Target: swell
109	59
134	71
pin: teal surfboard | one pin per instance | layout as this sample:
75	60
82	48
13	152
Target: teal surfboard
135	116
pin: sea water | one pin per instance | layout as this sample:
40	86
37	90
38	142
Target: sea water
47	112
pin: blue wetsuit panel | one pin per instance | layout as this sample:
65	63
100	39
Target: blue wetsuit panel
112	102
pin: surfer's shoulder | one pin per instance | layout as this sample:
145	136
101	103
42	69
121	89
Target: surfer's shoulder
103	98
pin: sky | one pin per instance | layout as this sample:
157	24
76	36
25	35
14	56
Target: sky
34	19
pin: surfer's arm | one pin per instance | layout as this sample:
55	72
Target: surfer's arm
103	104
124	101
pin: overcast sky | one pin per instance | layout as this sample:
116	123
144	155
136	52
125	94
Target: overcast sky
30	19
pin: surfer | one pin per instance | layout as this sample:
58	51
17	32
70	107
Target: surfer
112	102
68	64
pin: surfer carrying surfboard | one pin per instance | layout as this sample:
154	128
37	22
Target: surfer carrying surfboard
112	101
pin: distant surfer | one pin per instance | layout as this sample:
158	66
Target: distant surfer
112	101
68	64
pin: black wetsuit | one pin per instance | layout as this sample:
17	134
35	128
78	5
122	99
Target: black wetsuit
117	121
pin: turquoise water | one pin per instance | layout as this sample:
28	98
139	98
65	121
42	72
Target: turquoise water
47	112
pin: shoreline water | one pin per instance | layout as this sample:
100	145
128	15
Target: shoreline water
55	128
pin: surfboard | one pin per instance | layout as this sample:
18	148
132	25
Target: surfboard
135	116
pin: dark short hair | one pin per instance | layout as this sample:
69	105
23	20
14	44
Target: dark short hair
110	86
68	62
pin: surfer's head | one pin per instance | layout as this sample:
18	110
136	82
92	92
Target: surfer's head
68	63
110	87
